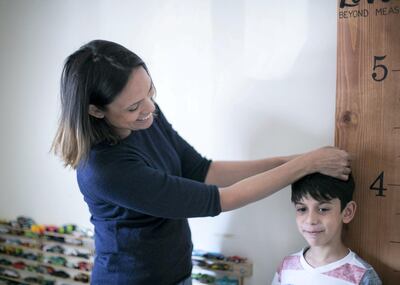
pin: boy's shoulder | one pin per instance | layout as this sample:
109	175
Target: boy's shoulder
369	275
354	269
291	262
360	262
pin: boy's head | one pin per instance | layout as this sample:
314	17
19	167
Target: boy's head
323	188
323	204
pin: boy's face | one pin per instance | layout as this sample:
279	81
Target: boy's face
320	223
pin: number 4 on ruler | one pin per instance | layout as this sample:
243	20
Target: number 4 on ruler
377	185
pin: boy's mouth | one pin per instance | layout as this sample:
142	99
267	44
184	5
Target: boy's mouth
313	232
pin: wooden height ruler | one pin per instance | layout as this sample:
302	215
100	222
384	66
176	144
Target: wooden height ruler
368	126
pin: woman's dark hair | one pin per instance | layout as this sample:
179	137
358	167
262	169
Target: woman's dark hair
95	74
323	188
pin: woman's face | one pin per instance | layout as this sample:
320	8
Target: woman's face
133	108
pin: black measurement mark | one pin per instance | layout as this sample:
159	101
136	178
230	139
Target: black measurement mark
381	67
379	188
393	241
393	184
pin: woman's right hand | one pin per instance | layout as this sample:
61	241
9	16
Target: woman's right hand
330	161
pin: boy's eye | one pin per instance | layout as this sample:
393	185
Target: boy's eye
323	210
301	210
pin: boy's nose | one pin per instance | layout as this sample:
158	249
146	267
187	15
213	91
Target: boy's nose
312	218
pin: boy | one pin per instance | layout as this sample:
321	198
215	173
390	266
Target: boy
323	204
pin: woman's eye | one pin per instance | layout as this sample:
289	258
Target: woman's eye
323	210
301	210
133	108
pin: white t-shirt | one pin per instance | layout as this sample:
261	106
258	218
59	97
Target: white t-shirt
350	270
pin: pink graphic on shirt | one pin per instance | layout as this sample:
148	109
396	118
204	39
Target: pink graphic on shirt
290	263
348	272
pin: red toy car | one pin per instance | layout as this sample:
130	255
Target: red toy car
236	259
19	265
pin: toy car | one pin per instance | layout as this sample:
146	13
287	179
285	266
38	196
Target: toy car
198	252
236	259
5	262
60	273
4	230
31	234
53	238
44	269
19	265
198	262
47	282
25	222
73	241
67	229
38	229
71	251
29	256
57	260
83	232
39	280
51	228
214	255
32	279
203	278
83	255
82	277
226	281
9	273
83	266
54	248
219	266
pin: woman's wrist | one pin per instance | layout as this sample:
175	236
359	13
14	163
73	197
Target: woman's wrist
308	163
289	158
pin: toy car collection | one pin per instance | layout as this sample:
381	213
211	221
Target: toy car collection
218	269
44	250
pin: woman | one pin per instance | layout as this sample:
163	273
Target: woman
141	180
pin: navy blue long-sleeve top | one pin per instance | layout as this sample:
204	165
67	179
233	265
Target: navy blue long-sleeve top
140	193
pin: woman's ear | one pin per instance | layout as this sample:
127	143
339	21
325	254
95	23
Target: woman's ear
349	212
95	111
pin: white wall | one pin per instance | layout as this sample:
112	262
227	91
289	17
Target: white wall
238	79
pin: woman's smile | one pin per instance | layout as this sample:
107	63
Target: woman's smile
145	118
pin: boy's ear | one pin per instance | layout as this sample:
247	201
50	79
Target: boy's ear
95	111
349	212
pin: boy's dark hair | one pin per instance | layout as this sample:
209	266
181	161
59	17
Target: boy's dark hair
323	188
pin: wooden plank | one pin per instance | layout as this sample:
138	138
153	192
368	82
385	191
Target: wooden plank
368	126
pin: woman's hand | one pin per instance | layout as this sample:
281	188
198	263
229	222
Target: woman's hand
327	160
330	161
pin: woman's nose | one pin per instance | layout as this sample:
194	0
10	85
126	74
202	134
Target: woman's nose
148	106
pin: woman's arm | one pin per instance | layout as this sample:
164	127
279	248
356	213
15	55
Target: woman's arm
226	173
328	160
